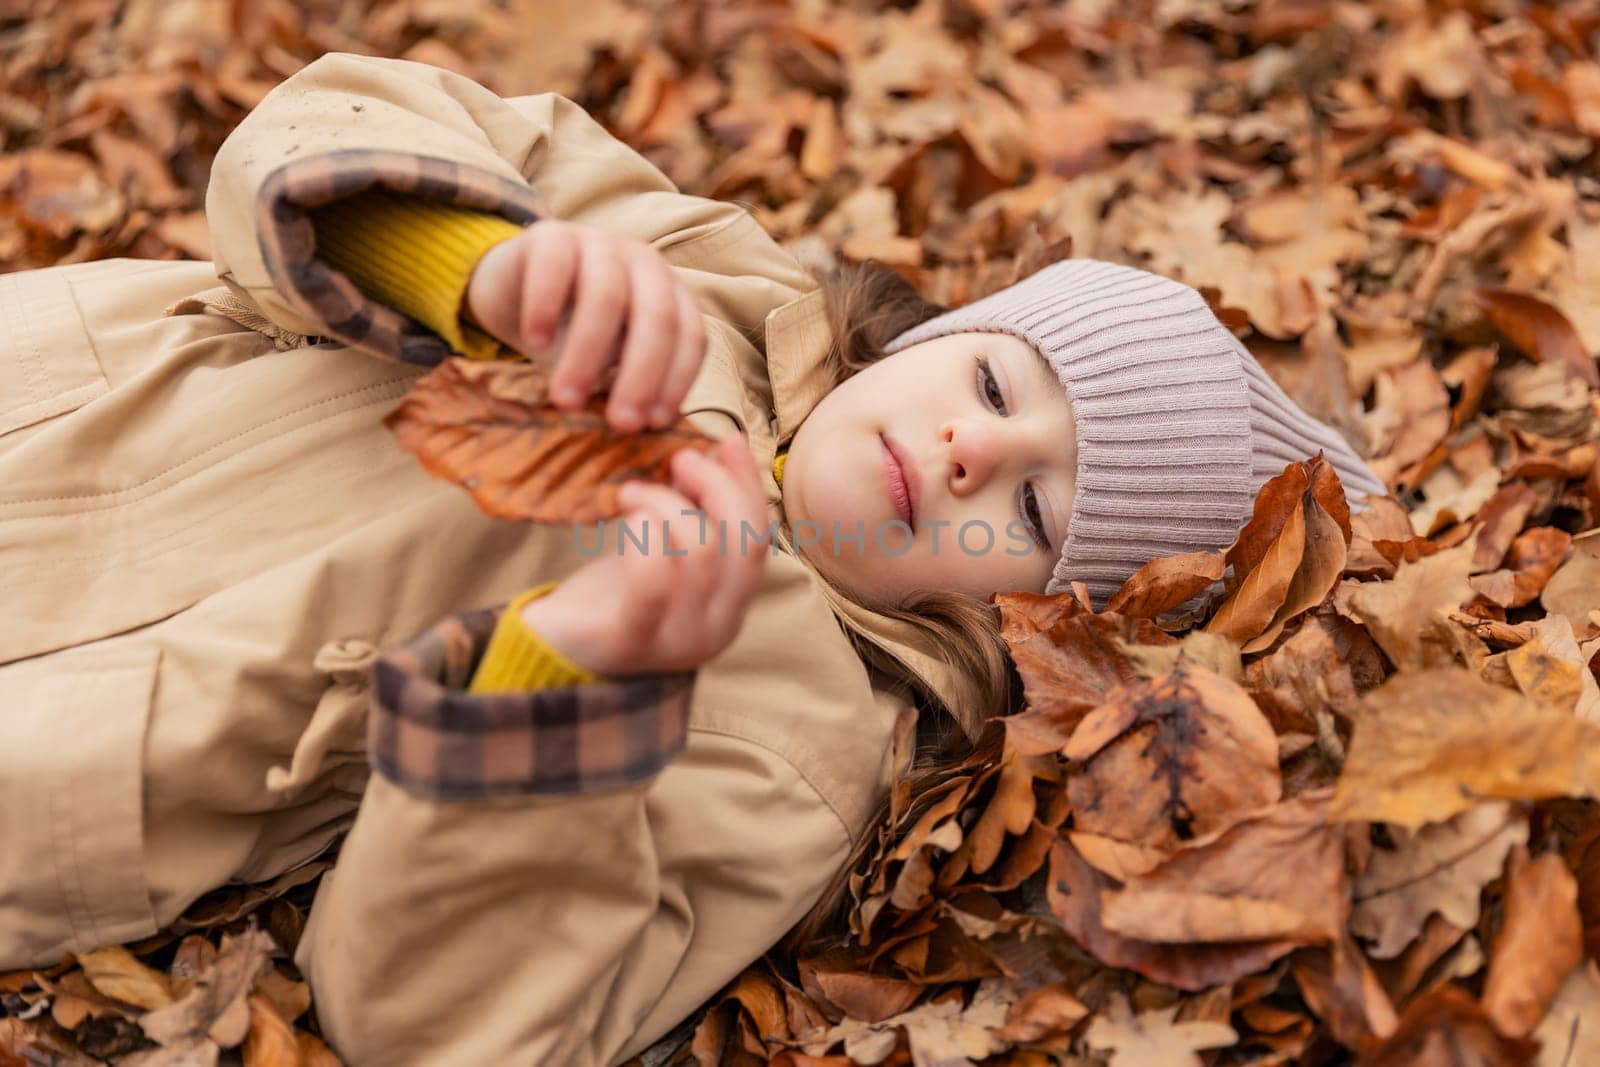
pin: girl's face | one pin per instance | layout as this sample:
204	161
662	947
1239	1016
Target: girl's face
979	428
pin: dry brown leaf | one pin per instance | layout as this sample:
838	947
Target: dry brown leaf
942	1031
1073	890
1409	617
216	1011
1533	558
1275	875
1539	944
1201	743
1069	661
1263	589
1569	1035
1574	589
270	1041
1430	744
1446	1027
487	426
1317	574
1439	870
1163	584
1540	330
115	972
1154	1038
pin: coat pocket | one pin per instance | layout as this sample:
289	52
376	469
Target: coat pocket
72	864
47	363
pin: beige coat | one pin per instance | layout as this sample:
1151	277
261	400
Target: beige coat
206	534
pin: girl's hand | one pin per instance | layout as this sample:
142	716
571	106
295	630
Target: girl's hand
651	612
626	307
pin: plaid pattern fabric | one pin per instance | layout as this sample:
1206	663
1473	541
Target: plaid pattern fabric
431	737
288	242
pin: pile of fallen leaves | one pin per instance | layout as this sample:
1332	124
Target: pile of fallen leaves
1325	795
1372	829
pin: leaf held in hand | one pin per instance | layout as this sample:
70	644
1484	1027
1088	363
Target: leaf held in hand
489	428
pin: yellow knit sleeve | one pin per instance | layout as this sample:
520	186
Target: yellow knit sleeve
518	658
414	255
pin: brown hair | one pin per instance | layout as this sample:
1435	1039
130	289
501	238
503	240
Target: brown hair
868	305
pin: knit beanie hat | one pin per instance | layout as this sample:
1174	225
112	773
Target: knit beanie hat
1177	424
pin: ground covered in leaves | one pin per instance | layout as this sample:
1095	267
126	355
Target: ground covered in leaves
1340	809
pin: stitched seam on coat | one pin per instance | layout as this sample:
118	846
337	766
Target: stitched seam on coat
178	466
26	347
50	576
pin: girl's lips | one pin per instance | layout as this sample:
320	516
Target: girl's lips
902	481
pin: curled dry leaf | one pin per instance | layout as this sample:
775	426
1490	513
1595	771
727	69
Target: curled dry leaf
1164	584
488	427
1305	510
116	973
1540	330
1440	869
1263	589
1201	749
216	1011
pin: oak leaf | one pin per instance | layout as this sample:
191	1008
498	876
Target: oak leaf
1409	616
1440	869
1154	1038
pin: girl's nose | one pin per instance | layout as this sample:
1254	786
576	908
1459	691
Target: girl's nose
971	451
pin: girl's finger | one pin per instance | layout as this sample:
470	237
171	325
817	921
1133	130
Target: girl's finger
688	354
596	320
730	498
647	354
649	579
549	271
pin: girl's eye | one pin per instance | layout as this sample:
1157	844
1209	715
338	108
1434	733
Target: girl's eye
990	387
1030	507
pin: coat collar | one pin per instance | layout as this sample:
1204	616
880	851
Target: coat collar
797	343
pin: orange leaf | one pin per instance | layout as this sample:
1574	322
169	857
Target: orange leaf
1264	589
1539	945
487	427
1539	329
1163	584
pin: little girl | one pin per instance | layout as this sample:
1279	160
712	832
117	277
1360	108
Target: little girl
605	780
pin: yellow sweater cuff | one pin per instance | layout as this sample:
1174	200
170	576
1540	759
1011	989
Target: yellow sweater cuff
517	658
415	256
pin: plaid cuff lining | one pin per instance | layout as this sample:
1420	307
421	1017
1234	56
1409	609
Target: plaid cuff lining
434	739
288	241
